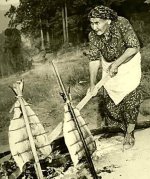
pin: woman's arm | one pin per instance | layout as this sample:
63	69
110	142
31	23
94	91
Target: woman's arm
131	42
94	56
125	57
93	68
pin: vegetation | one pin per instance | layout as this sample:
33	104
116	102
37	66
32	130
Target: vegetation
12	53
58	22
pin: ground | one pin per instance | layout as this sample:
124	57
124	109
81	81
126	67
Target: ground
112	162
129	164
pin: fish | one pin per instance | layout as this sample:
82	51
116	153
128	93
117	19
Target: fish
72	138
19	143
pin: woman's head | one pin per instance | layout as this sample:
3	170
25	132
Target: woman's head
99	25
100	18
103	12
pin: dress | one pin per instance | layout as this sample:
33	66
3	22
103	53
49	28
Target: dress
110	46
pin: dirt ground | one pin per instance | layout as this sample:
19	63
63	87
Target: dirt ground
130	164
112	162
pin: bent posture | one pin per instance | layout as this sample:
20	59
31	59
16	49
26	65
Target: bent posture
114	44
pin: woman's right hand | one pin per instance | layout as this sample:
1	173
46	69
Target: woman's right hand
113	70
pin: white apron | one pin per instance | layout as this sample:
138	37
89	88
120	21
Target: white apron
126	80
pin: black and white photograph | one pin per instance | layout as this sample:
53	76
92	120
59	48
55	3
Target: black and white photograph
74	89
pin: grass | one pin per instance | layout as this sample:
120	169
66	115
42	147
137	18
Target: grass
42	91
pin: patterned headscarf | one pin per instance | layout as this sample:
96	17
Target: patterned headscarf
103	12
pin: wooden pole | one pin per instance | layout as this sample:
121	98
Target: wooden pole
29	132
76	122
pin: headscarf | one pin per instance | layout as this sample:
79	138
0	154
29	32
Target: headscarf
103	12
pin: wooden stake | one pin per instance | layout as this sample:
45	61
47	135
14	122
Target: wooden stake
31	140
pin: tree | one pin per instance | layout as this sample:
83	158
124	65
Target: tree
11	14
32	15
12	48
57	21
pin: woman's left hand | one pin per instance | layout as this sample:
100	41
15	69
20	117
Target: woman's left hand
113	70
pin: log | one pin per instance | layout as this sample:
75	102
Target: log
4	154
140	125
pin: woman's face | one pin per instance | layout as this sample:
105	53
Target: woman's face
99	25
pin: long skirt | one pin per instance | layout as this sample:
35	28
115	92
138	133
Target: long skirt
122	114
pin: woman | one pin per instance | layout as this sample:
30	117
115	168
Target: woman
114	43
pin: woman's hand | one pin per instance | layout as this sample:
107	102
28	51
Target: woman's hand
113	70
